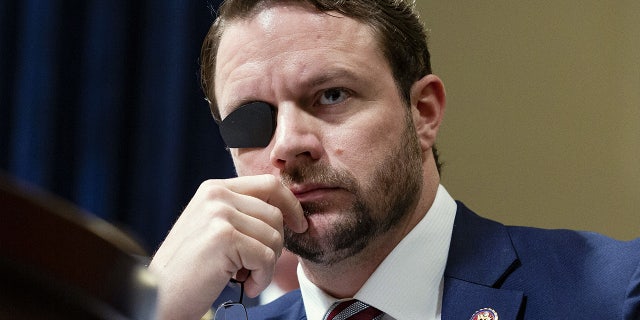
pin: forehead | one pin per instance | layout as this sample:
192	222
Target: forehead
290	38
280	20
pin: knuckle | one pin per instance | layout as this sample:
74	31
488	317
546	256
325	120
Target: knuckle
208	183
219	210
276	240
214	191
275	215
214	188
270	256
221	229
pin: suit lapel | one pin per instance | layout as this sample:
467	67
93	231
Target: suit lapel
481	256
462	299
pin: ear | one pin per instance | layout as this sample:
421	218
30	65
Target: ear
428	101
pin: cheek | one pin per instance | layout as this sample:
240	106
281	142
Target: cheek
358	149
250	163
366	146
366	137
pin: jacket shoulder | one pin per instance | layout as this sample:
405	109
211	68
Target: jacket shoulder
567	271
287	307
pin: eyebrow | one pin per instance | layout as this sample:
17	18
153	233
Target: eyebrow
312	82
236	103
329	76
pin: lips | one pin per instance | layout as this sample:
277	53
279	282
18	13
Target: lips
307	193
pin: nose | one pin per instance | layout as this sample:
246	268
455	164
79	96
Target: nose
296	138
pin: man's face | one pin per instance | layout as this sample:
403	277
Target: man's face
344	141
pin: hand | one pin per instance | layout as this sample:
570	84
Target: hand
229	225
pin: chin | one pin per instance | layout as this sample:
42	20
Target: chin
322	222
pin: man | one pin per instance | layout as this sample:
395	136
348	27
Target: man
331	114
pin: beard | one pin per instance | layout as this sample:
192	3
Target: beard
376	208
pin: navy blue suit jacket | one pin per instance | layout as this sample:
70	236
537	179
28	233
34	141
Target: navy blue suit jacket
524	273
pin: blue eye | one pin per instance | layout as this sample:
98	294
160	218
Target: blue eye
333	96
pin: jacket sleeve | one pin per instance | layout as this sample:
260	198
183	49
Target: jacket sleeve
632	303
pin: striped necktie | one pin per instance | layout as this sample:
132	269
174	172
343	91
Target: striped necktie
353	310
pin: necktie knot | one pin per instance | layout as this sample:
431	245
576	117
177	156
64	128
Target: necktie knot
353	310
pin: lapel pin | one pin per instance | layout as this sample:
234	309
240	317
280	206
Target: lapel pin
485	314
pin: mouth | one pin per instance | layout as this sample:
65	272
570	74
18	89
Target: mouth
313	193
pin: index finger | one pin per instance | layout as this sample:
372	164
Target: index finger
270	190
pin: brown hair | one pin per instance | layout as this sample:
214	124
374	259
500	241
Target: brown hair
400	34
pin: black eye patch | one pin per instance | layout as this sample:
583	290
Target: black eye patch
250	126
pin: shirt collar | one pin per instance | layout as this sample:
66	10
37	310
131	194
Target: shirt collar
420	257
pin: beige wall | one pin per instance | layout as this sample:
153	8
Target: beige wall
542	125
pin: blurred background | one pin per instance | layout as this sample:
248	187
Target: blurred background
542	126
100	104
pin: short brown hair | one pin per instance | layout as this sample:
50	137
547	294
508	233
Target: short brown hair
400	33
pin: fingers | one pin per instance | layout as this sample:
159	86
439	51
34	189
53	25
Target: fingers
269	189
210	243
258	264
254	218
228	228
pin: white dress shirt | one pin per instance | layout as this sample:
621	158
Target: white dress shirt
408	284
